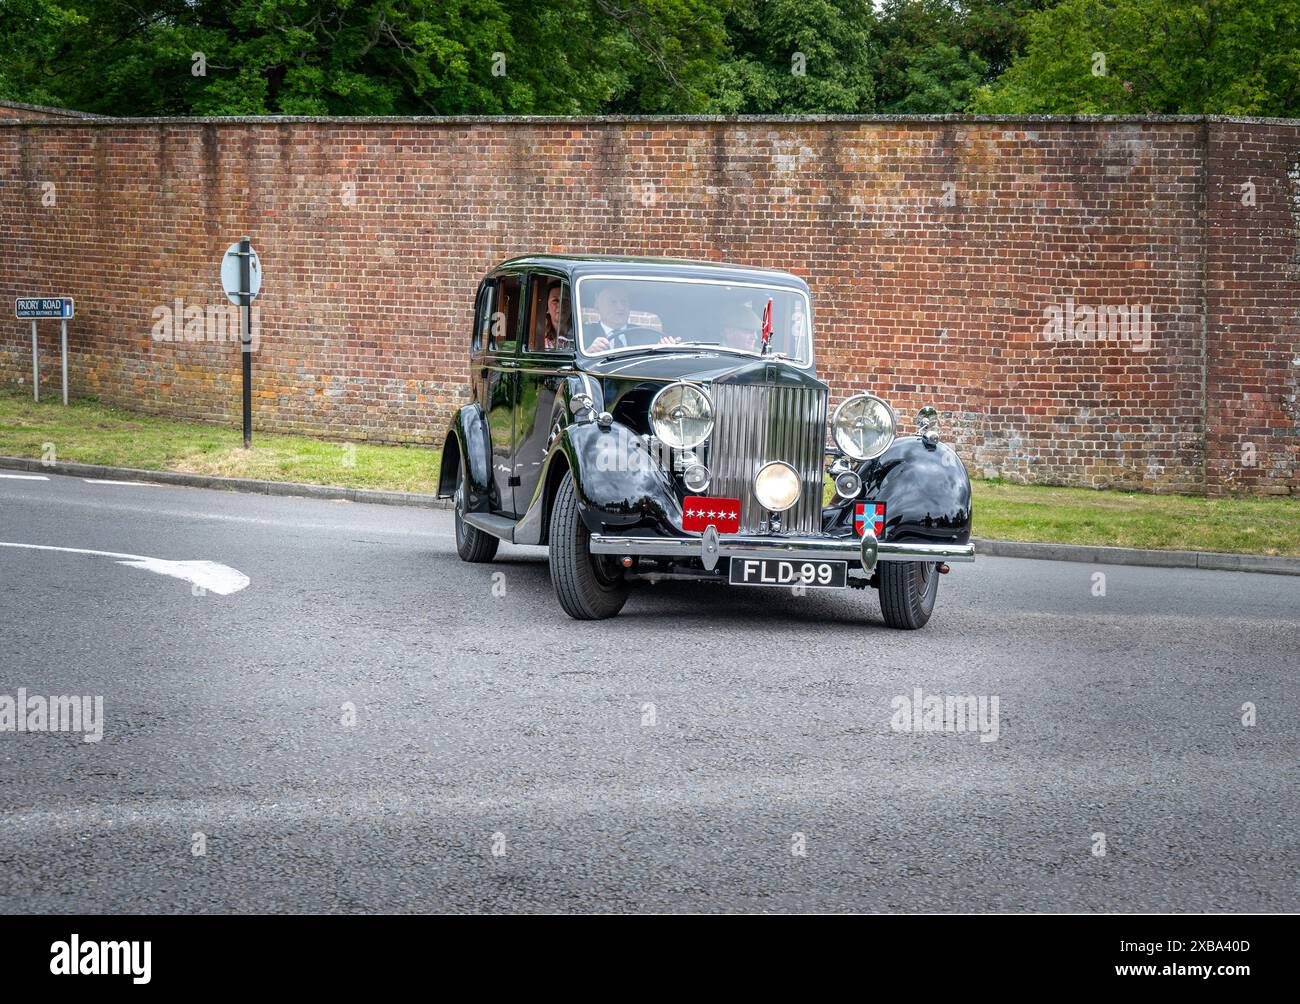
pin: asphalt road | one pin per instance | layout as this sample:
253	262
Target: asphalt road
487	721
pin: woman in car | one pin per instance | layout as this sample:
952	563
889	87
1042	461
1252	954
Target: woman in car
556	335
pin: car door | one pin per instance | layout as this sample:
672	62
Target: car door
543	365
500	374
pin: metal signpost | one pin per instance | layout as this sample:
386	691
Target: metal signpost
35	308
241	277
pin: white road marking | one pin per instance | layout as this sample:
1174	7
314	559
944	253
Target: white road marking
56	499
26	477
220	579
102	481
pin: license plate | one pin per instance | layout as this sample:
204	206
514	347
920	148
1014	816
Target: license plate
781	572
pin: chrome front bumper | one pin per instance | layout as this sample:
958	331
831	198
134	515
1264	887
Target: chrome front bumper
711	546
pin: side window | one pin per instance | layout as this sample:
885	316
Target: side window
483	317
503	331
550	322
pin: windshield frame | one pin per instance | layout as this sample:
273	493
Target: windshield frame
691	346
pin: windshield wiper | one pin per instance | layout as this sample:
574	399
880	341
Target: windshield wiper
743	352
656	347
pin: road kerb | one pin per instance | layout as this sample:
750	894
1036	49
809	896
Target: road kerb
1218	561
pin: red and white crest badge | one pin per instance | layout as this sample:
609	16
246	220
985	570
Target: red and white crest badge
869	514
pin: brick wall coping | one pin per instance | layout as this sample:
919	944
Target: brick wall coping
47	110
85	118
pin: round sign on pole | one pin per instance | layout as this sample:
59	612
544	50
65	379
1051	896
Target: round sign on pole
230	273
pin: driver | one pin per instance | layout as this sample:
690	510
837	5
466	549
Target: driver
612	329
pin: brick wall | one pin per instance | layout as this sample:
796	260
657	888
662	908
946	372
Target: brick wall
1252	346
940	252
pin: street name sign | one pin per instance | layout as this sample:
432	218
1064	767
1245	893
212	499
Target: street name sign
38	307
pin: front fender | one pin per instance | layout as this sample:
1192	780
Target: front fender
468	438
925	489
618	482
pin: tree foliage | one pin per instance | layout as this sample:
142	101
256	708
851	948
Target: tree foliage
31	35
797	56
384	57
934	54
376	57
1227	57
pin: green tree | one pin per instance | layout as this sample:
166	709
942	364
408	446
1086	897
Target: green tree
1227	57
797	56
662	56
31	33
296	57
935	53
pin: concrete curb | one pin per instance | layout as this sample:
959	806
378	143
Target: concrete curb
1139	556
294	488
995	548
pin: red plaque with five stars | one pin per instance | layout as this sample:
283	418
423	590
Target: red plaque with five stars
699	512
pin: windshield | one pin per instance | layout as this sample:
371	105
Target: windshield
622	313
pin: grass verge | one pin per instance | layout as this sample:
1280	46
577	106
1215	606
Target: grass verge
1239	525
91	433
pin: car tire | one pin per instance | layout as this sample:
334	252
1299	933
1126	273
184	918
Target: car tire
907	592
589	587
472	544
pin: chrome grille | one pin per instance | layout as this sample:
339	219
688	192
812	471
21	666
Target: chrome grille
755	424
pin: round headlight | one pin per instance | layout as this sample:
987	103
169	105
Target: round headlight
863	426
681	415
776	486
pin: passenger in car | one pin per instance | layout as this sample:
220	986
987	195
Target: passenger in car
556	336
740	328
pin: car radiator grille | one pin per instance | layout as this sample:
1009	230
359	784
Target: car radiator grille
755	424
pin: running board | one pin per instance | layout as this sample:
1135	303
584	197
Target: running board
499	526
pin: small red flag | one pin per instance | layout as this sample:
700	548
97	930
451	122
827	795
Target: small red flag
767	323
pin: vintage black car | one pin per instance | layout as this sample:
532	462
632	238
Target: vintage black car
650	417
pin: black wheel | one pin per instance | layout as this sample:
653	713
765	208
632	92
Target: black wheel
589	586
472	544
907	592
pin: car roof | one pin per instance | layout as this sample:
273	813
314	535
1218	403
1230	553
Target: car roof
576	266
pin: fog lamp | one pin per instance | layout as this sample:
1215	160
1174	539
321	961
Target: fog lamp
776	486
696	477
